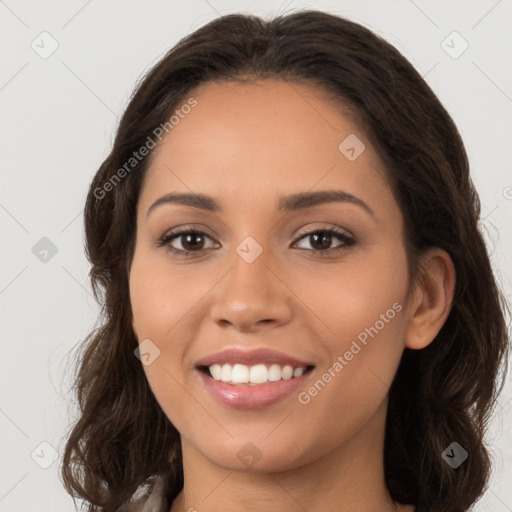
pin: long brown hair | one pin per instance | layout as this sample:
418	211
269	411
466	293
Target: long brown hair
441	394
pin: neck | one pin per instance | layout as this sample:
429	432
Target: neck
349	478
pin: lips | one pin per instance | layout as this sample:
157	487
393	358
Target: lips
247	396
243	394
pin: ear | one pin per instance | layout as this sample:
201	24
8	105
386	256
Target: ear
432	299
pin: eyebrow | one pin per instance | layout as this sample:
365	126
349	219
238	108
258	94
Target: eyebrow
291	203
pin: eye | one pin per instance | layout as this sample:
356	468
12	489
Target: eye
193	241
321	240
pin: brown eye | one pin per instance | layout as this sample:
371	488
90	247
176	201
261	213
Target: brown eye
321	240
191	241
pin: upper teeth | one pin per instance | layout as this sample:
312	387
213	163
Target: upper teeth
258	374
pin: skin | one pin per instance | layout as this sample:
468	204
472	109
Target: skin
246	145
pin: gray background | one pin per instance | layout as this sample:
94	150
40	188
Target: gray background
58	118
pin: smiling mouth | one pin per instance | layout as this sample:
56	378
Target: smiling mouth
253	375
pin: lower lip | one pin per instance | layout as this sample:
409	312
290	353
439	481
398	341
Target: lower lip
245	396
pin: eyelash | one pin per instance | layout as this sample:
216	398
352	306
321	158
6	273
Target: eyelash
343	237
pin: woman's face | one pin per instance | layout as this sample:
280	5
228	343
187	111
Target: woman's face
253	288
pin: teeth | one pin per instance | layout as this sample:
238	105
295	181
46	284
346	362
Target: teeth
240	374
274	373
298	372
258	374
216	371
225	374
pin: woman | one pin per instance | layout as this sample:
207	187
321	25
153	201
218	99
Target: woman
299	308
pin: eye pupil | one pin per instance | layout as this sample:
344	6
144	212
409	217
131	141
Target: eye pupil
187	238
324	237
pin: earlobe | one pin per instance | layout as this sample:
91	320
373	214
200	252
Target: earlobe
432	299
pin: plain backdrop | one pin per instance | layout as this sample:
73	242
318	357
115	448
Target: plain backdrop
58	115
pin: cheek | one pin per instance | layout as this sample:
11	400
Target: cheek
363	307
352	297
160	300
166	305
159	296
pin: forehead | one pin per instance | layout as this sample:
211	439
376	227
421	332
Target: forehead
242	140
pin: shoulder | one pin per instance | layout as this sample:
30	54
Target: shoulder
154	501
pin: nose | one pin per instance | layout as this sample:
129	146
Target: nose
252	296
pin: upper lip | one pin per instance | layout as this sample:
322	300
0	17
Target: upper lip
254	356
